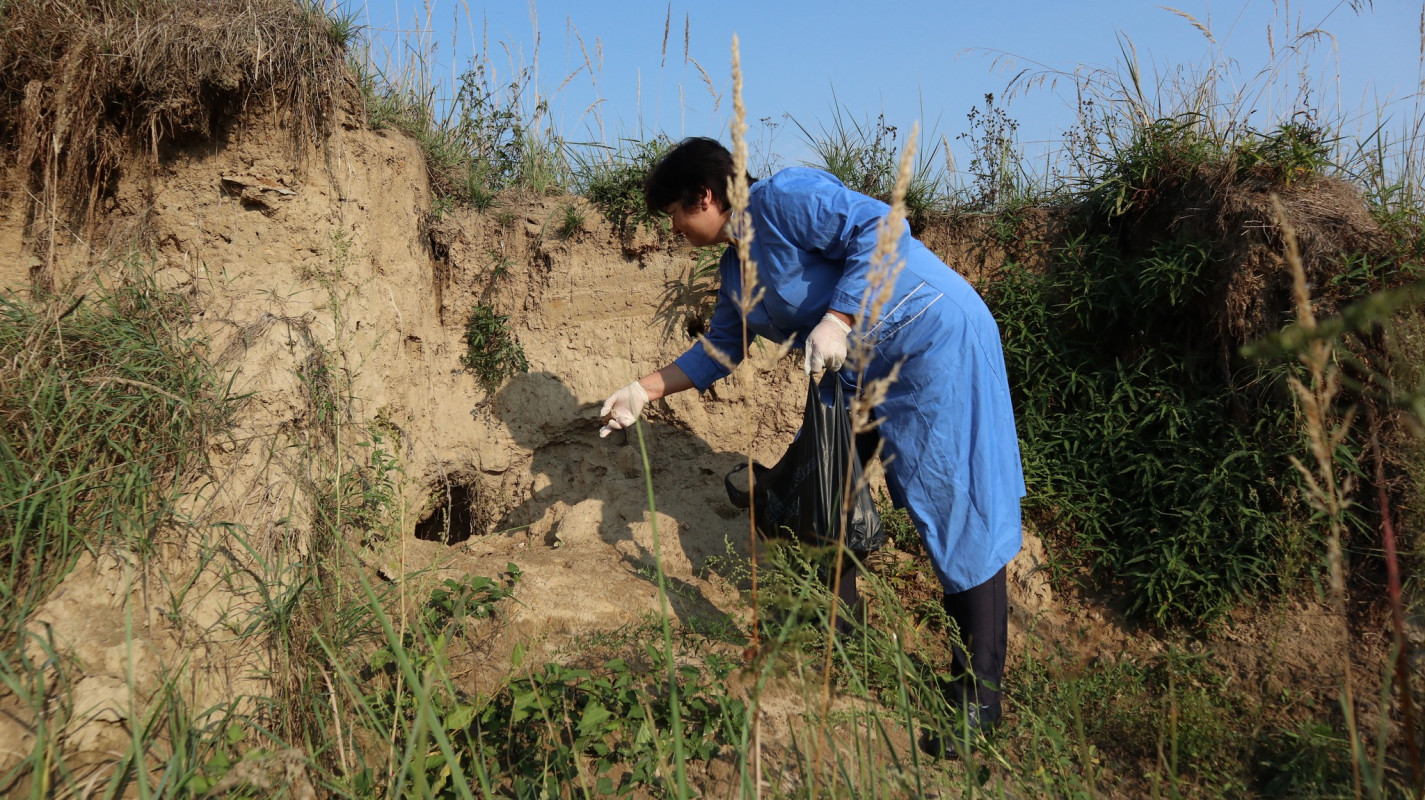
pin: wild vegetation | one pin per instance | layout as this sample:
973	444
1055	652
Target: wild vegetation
1199	436
105	413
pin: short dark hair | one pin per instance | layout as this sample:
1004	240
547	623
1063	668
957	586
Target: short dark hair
681	175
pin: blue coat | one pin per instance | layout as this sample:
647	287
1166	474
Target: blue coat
948	438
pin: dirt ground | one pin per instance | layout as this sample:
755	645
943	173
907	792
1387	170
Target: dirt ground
343	263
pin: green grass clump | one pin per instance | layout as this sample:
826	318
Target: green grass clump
1155	160
493	353
862	154
1297	149
104	407
571	221
1145	461
613	182
487	140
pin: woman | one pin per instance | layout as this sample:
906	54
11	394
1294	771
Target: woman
947	433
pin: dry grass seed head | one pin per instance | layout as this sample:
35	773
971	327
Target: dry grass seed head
871	394
1203	29
716	354
886	261
738	192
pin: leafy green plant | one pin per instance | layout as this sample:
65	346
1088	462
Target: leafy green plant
1147	462
493	353
342	24
443	617
372	486
860	153
571	221
609	730
613	181
1174	719
499	264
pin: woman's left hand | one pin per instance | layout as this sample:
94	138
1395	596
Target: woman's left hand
826	346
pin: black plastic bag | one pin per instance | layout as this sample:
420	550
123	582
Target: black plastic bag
800	497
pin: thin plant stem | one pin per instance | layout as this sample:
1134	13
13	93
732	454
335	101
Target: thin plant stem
1401	644
742	233
664	613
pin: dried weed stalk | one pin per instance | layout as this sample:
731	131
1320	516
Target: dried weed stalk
738	193
1326	431
887	261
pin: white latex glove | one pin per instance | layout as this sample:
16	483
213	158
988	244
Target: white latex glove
622	408
826	346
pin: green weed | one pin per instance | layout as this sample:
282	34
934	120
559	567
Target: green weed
493	353
608	730
998	177
105	407
1146	461
1153	162
613	181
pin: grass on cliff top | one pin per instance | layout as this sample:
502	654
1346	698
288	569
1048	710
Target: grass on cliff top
101	81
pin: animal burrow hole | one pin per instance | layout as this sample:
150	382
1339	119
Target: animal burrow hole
455	512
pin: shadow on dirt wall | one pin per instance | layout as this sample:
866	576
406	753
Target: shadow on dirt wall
570	465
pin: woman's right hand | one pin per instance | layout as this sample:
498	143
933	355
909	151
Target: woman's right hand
623	408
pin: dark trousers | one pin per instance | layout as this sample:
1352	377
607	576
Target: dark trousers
982	615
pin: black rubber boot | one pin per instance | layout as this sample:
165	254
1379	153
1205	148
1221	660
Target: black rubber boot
970	729
845	591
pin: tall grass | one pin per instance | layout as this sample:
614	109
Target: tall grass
103	414
863	154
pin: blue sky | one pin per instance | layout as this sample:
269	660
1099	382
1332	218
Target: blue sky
929	62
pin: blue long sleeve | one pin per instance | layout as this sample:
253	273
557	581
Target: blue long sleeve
811	212
724	330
